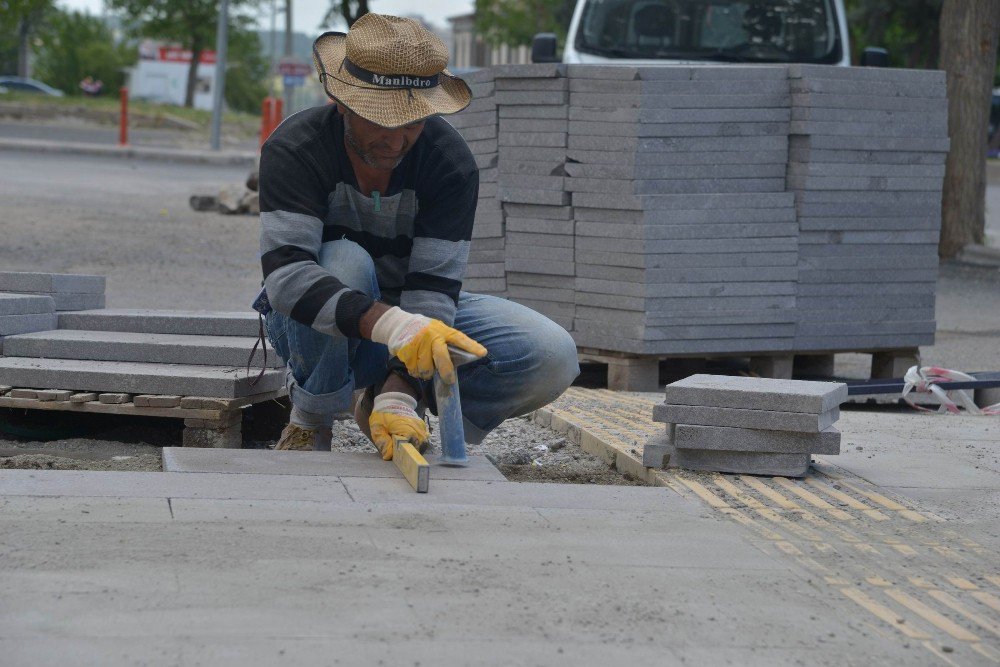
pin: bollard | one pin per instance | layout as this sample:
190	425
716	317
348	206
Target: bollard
265	120
123	119
278	114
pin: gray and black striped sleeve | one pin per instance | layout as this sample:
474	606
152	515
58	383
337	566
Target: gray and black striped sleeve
440	252
292	208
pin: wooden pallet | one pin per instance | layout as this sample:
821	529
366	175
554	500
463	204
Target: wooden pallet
208	421
633	372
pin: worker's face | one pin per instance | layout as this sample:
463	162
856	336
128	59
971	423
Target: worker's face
378	147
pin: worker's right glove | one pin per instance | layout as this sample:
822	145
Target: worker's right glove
422	343
394	415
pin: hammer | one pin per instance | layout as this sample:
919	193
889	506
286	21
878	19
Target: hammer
449	408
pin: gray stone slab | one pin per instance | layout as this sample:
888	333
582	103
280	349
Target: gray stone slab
676	186
932	118
538	280
465	119
25	304
528	111
534	196
689	101
707	143
629	171
485	270
332	464
136	378
540	252
142	347
483	147
842	142
742	127
541	98
18	281
532	182
657	451
537	236
670	216
18	324
195	322
517	210
864	183
555	156
875	102
538	266
533	125
728	391
536	85
855	169
934	90
533	139
772	420
690	436
528	71
743	463
479	133
610	230
867	74
74	301
680	246
679	157
868	129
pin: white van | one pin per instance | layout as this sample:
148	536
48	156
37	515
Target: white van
651	32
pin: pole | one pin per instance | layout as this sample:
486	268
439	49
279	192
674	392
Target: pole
287	91
123	118
274	46
219	89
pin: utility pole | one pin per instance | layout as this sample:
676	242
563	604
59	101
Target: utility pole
288	53
274	46
219	89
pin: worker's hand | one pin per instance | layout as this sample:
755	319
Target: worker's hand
422	343
394	415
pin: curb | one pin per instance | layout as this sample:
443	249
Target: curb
222	158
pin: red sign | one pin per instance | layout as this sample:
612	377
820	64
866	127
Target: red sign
290	67
176	54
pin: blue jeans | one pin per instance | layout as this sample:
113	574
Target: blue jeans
530	361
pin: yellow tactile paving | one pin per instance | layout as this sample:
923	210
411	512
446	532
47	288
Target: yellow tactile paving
877	549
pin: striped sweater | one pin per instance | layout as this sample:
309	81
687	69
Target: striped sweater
417	232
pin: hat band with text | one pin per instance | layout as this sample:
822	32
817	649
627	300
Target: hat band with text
390	80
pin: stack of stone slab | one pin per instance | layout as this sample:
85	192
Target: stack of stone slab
532	106
685	238
866	162
29	301
174	353
478	125
746	425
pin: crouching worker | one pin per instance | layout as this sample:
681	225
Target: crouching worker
367	208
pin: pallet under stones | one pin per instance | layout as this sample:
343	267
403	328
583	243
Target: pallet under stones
208	421
637	372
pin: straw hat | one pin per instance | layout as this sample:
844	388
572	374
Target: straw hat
389	70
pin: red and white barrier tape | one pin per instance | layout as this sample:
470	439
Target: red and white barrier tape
928	380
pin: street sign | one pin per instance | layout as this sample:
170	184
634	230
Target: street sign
290	66
294	81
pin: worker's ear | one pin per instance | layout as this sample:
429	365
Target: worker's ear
342	110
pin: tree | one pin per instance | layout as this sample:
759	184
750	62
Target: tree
74	45
970	30
516	22
247	73
22	18
907	28
191	23
347	10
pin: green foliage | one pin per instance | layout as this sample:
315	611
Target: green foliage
17	17
191	23
74	45
347	11
246	76
516	22
907	28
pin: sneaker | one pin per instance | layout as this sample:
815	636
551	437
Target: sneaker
296	438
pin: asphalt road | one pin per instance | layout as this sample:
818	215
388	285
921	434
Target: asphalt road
130	220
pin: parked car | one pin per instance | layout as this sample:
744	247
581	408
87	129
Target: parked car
22	84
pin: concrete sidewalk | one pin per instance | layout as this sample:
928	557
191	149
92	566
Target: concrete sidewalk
873	560
157	153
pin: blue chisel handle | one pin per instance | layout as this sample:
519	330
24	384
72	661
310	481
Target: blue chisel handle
449	407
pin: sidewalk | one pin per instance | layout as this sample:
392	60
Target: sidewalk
190	156
872	560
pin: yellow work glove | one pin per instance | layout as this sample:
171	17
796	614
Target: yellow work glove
422	343
394	415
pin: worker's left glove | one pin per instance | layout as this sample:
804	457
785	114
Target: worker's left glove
394	415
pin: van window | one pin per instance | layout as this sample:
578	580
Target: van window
722	30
